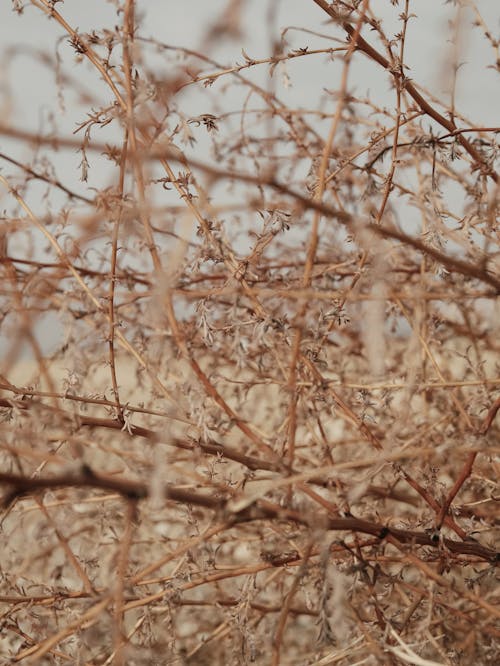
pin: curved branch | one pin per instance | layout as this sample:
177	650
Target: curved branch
259	509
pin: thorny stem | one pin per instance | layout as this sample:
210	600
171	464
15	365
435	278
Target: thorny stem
259	452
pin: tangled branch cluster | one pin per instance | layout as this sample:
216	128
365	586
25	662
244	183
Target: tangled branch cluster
258	423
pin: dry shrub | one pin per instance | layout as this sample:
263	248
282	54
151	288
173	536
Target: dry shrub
258	425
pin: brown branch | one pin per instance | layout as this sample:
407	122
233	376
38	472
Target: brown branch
20	486
373	54
451	263
490	416
467	468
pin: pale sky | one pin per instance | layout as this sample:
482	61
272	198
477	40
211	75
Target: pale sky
27	85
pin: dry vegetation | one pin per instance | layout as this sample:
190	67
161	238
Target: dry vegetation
264	428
